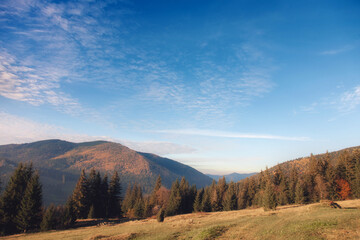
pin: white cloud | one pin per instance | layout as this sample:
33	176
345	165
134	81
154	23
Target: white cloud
222	134
27	84
337	51
14	129
350	100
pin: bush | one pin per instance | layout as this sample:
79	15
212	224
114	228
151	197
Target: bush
161	215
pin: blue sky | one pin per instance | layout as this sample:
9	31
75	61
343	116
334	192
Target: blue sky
220	85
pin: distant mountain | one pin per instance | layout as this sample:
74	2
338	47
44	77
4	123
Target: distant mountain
235	177
60	162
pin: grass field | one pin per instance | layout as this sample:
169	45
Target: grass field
315	221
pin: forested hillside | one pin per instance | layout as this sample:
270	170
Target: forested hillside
60	164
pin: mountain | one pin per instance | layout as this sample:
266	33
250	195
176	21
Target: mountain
60	162
235	177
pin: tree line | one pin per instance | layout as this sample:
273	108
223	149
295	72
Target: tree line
22	210
94	196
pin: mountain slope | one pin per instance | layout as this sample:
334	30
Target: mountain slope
60	163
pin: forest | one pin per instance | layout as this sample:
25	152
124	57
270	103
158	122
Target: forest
99	197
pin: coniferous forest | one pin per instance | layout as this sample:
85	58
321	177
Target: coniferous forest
99	197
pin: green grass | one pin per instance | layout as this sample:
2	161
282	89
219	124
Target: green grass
291	222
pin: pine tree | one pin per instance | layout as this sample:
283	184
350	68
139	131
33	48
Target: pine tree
49	220
70	214
299	193
95	193
230	201
12	196
103	212
269	199
139	208
114	194
157	186
186	204
198	200
243	198
293	178
174	204
206	204
80	196
127	202
221	190
30	212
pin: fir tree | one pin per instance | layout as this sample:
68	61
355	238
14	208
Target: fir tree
198	200
104	197
230	201
206	204
153	197
269	198
12	196
293	178
299	193
174	204
114	196
80	196
243	199
49	220
139	208
30	212
70	214
95	201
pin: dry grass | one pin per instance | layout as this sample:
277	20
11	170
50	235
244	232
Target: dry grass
315	221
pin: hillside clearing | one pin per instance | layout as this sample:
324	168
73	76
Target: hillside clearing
314	221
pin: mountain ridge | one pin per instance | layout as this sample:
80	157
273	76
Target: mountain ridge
60	162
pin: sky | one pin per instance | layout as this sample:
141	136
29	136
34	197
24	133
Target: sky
222	86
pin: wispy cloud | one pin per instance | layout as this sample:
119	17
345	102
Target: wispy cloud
342	103
15	129
221	134
350	100
337	50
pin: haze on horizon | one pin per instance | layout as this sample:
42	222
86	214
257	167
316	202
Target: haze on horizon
221	86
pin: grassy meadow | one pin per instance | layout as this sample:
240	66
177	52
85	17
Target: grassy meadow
314	221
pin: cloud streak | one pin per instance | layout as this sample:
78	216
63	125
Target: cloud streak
222	134
14	129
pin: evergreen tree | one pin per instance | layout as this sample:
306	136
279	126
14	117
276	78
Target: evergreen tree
221	190
95	193
293	178
127	203
243	199
103	212
230	201
114	196
80	196
49	220
174	204
70	214
269	199
251	191
12	196
299	193
153	198
198	200
139	208
206	203
30	212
